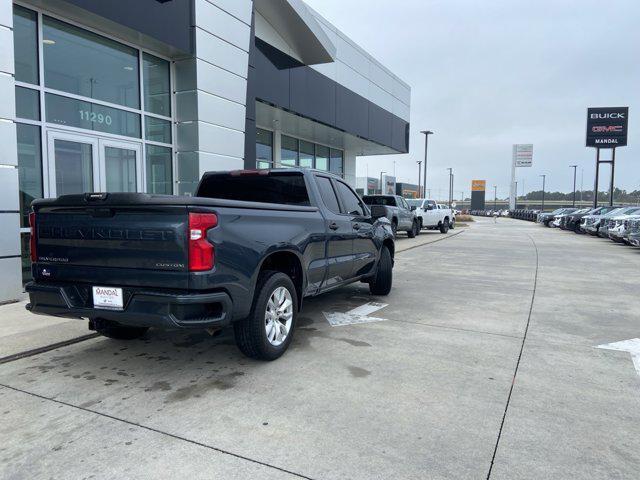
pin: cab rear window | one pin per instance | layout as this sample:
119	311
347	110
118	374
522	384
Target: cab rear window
377	200
279	188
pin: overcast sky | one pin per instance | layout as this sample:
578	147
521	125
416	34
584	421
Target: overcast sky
488	74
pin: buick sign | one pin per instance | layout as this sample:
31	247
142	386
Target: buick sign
607	127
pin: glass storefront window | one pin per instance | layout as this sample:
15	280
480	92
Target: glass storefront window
80	114
337	163
109	70
264	148
157	85
27	103
159	174
157	130
25	45
29	168
322	157
307	153
289	151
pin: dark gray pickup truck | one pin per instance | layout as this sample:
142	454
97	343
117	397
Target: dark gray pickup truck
245	251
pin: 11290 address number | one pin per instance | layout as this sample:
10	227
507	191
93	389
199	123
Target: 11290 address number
94	117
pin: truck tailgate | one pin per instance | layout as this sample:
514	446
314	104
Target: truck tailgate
139	245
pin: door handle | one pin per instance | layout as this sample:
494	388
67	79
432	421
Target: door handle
333	226
356	226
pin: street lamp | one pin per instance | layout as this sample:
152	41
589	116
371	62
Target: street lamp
426	134
419	162
575	169
450	184
495	198
516	194
544	180
381	190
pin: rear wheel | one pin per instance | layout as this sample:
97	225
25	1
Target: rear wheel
394	227
381	283
444	226
117	331
415	230
267	332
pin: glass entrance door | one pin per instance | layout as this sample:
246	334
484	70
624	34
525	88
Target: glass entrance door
82	163
73	164
121	166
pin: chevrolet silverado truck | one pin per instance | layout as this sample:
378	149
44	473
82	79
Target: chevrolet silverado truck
396	209
432	215
244	251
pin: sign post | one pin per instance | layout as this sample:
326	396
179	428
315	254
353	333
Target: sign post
478	190
522	157
606	128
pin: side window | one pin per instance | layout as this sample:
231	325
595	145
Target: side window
350	200
328	195
404	203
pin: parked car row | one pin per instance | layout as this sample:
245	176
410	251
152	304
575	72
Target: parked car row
490	213
618	223
525	214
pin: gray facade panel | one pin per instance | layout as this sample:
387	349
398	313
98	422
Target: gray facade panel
169	21
284	82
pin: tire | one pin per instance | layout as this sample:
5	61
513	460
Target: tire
420	223
444	226
394	228
381	283
119	332
414	230
251	333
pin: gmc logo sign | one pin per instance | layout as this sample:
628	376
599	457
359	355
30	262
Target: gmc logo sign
610	129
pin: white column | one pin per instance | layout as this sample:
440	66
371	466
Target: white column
350	168
10	263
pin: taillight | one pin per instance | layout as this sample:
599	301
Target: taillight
32	239
201	254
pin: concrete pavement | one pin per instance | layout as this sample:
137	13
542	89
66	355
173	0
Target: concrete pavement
425	394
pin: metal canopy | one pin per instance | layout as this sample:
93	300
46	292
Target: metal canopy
299	28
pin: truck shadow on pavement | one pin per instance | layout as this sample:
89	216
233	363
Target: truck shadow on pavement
166	367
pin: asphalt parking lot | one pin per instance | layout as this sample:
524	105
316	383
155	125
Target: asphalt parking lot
483	364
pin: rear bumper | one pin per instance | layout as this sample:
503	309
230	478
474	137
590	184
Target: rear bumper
143	308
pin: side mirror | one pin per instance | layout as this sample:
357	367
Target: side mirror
413	208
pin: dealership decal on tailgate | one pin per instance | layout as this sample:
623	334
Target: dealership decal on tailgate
107	298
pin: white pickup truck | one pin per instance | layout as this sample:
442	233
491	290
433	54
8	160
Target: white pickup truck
433	216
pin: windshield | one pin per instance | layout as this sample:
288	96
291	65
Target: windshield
388	201
414	202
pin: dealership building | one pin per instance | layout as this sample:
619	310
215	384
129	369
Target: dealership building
147	95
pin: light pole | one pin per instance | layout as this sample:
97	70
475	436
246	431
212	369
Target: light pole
426	134
450	184
516	194
495	198
419	162
381	189
575	171
544	180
